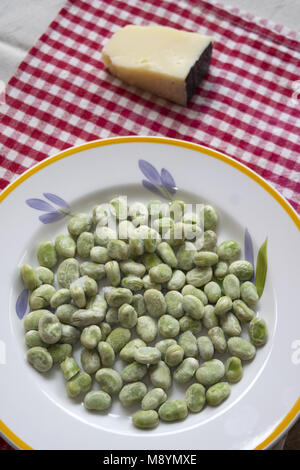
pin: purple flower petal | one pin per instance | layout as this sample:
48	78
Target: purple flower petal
152	188
22	303
39	204
56	200
51	217
248	249
168	181
149	171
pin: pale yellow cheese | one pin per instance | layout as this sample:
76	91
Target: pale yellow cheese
155	58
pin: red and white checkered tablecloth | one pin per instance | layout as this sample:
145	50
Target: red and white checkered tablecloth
246	107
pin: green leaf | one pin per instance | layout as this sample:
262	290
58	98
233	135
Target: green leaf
261	268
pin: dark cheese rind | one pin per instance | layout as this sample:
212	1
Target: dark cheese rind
197	72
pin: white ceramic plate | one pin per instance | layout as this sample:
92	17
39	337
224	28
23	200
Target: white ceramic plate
34	409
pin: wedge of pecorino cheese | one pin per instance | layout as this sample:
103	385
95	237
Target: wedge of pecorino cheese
165	61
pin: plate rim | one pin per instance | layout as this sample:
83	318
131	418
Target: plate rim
291	416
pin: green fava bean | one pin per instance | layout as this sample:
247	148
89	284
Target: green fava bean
118	208
65	246
218	339
68	272
39	358
90	336
193	307
168	326
209	240
132	393
160	375
97	400
150	260
167	254
243	270
233	369
174	355
136	246
85	243
119	296
176	209
118	338
220	270
99	254
241	348
78	296
189	344
258	331
153	399
138	304
206	348
217	393
69	334
103	235
147	355
133	283
228	250
61	297
191	290
186	370
127	353
189	324
40	297
132	268
50	328
231	286
177	280
98	304
210	319
100	215
155	303
160	273
133	372
45	275
185	256
59	352
31	320
32	338
93	270
106	353
145	419
163	225
30	279
117	250
65	312
146	328
138	213
205	258
105	330
230	325
79	223
173	410
210	218
242	311
223	305
174	301
195	397
249	293
164	344
127	316
210	372
90	360
46	254
148	284
213	292
82	318
110	380
79	384
112	316
69	368
198	277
